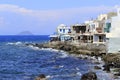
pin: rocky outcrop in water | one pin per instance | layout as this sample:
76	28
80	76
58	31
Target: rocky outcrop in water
41	77
87	49
113	59
89	76
97	67
84	49
106	67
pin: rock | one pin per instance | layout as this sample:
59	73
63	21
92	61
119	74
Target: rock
89	76
58	66
97	67
96	62
61	47
27	44
116	77
113	58
39	45
116	65
41	77
67	48
116	69
85	58
106	67
117	74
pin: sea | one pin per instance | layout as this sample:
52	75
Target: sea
21	62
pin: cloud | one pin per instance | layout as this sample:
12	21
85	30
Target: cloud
42	14
55	14
47	18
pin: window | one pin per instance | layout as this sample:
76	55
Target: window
100	38
60	30
63	30
69	30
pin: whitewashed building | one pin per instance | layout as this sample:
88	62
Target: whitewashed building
115	24
63	32
63	29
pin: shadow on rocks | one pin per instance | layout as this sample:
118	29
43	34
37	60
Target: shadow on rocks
41	77
89	76
107	67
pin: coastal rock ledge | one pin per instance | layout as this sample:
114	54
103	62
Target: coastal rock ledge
84	49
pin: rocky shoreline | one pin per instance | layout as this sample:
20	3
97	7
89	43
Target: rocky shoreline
87	49
111	60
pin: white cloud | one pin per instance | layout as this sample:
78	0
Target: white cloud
48	16
55	14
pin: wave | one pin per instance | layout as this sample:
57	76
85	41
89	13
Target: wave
65	75
79	73
34	47
50	49
46	49
14	43
63	54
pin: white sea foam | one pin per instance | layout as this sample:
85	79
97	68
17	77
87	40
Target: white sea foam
55	50
14	43
99	59
64	55
34	47
50	49
93	58
79	73
77	68
61	66
47	49
48	76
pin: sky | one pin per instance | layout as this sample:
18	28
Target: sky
41	17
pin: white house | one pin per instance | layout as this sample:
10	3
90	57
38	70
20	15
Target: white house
90	26
115	25
95	26
63	32
63	29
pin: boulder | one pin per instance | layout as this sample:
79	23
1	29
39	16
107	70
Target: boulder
89	76
106	67
61	47
67	48
97	67
41	77
117	74
116	65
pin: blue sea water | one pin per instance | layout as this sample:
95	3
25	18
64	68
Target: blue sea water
21	62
